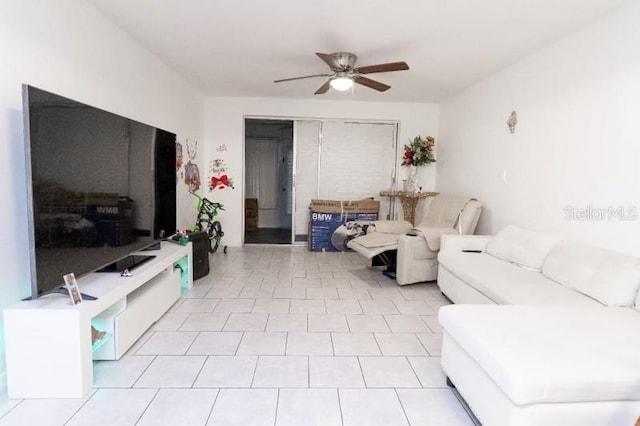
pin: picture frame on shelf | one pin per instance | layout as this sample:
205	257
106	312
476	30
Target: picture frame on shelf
72	287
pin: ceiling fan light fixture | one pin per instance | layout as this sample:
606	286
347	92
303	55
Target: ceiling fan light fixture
341	83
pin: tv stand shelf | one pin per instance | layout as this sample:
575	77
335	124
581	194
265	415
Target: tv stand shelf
49	349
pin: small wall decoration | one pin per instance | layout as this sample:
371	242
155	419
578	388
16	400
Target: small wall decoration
219	175
192	176
221	148
512	122
178	156
191	171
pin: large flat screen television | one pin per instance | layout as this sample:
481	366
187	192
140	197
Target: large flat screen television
100	187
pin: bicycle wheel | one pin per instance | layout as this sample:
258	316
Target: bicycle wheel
215	235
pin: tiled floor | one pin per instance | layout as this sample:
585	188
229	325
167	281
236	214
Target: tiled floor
275	336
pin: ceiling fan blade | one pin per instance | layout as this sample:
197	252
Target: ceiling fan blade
372	84
328	59
300	78
323	88
392	66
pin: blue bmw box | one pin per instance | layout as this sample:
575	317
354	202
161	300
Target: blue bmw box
334	223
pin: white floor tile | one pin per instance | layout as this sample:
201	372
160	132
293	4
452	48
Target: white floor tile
433	407
7	404
287	322
378	307
335	282
308	407
198	305
354	293
414	307
256	293
204	321
433	343
271	306
372	407
290	293
277	282
306	282
400	344
343	307
335	372
246	322
282	372
216	343
41	412
406	324
391	293
179	407
199	290
432	322
122	373
319	273
354	344
322	293
263	344
227	372
250	281
227	306
113	407
327	322
168	343
307	307
171	371
226	292
140	342
171	321
313	344
388	372
245	407
429	371
367	324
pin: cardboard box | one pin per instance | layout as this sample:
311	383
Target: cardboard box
366	205
334	223
251	223
251	203
250	212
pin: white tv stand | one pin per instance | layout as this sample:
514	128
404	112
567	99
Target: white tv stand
49	351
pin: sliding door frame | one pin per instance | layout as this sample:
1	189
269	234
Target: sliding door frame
394	178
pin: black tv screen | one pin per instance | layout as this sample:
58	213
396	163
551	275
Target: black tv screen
101	186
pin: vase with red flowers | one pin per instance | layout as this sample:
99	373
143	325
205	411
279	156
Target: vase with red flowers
418	153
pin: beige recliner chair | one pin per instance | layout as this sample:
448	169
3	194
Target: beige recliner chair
411	253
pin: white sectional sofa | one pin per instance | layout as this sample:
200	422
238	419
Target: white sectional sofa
566	349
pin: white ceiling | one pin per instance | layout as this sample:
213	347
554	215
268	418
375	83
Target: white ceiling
238	47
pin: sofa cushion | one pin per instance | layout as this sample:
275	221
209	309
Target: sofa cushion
610	277
507	283
551	354
521	246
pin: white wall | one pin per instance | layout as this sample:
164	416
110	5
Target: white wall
224	121
577	143
67	47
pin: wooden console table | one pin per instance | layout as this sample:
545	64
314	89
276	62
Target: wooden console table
409	201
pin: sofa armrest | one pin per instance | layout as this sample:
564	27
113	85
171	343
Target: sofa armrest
464	242
390	227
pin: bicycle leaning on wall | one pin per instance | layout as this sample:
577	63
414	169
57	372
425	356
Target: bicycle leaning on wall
207	211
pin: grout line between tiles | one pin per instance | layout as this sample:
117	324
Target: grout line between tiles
147	407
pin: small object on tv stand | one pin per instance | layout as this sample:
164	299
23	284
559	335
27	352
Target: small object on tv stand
126	273
71	287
